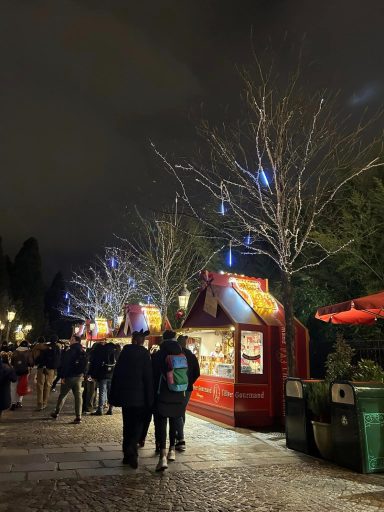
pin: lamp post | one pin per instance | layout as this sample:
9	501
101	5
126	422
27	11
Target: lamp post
2	327
10	317
183	297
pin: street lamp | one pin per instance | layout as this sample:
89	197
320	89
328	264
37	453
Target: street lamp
183	297
10	317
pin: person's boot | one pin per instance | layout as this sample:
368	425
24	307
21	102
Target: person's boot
13	407
162	464
99	412
110	411
171	454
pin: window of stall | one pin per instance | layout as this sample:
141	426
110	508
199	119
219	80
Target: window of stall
215	351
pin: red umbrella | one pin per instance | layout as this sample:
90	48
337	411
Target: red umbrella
364	310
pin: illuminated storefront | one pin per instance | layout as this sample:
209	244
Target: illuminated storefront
236	330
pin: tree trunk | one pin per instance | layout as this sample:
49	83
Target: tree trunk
289	323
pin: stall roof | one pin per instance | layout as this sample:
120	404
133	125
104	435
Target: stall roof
137	317
233	303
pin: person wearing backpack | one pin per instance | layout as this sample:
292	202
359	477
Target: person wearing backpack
72	368
47	362
193	375
101	369
170	380
21	361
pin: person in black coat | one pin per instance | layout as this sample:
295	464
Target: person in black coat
168	404
132	389
101	367
193	375
7	375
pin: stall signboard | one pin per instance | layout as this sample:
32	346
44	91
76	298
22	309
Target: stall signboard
214	392
210	303
251	352
251	291
153	317
102	327
224	394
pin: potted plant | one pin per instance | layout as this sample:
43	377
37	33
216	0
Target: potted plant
367	370
318	399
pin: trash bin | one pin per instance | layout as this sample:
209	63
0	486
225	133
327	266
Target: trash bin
298	428
357	410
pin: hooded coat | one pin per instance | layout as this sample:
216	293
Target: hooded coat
102	360
169	404
7	375
132	384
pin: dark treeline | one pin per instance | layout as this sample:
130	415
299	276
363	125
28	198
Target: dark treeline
22	288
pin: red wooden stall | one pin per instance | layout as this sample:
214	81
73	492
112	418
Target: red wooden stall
236	329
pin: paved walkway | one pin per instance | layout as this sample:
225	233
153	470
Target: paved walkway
48	465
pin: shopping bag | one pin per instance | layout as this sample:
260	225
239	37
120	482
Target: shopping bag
23	388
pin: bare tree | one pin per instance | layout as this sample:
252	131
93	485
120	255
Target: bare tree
275	173
166	254
103	288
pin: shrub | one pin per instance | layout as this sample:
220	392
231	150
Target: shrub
339	362
319	402
367	370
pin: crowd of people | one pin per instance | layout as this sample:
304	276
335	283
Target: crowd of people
145	384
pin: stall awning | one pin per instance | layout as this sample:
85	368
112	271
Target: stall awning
363	310
232	309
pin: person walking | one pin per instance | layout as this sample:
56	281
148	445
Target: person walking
169	396
193	375
71	371
21	361
7	375
102	365
47	362
132	389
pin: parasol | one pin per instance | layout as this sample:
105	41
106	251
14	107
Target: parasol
364	310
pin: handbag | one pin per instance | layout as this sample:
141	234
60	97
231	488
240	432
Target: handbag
23	388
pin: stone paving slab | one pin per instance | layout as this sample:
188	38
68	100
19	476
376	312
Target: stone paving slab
12	477
23	459
51	475
47	466
97	472
80	464
57	449
100	455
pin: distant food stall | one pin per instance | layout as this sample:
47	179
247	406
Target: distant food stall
139	317
236	329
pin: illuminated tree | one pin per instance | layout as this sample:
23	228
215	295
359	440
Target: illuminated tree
167	252
276	173
103	288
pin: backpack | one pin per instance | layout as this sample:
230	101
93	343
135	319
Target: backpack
80	363
110	363
20	362
52	357
177	372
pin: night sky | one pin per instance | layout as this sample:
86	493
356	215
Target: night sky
85	85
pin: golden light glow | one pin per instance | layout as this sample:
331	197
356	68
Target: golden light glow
102	326
153	318
250	290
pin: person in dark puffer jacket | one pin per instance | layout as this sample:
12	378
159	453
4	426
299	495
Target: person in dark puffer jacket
101	367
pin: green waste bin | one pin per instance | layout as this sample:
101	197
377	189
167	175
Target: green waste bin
358	425
298	428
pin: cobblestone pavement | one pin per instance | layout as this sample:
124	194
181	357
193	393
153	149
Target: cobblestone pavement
48	465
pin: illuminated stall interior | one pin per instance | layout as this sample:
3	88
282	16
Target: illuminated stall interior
236	330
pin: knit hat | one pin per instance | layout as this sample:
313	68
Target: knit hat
169	335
